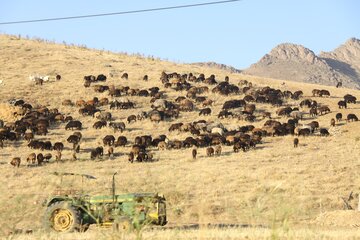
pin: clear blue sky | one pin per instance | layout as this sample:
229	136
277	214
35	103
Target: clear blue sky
236	34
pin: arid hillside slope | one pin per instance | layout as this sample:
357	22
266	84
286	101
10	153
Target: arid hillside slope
273	185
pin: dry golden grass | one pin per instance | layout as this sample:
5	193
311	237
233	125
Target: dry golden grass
204	233
274	185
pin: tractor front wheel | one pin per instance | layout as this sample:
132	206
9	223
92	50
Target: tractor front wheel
62	217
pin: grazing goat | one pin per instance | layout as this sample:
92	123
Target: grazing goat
210	151
15	162
218	150
296	142
194	153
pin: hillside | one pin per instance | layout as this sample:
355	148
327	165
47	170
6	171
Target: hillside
280	190
297	63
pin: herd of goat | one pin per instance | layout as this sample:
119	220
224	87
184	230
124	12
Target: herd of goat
211	135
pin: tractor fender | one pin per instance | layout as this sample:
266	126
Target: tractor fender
54	200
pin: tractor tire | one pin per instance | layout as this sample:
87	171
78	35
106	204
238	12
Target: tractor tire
62	217
123	225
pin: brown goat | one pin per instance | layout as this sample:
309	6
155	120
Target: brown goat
58	156
194	153
131	157
296	142
15	162
332	122
210	151
40	159
218	150
111	152
31	159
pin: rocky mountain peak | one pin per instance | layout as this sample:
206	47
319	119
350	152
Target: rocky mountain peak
291	52
350	49
298	63
352	42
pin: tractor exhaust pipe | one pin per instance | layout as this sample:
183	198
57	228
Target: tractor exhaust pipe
113	188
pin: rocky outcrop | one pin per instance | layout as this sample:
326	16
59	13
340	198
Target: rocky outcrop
297	63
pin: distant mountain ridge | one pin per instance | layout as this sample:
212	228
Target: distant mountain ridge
218	66
297	63
345	58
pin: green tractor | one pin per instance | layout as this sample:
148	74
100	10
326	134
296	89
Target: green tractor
71	210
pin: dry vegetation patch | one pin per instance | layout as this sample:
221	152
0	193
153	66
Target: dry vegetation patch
339	218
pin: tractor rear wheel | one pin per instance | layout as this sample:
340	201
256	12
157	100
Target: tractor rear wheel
62	217
123	224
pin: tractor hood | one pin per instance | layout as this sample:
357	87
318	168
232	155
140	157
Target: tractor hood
135	197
